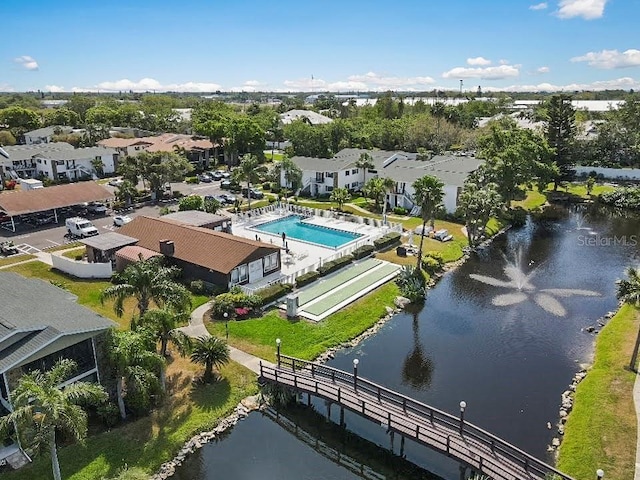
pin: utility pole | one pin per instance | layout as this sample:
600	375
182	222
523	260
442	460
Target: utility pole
460	86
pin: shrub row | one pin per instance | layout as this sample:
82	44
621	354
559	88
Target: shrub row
274	292
363	251
387	240
334	265
306	278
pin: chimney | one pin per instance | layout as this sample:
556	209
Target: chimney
167	248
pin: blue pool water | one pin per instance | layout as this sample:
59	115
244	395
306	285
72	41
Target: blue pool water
294	228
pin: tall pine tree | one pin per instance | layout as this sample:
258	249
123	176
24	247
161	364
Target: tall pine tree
560	132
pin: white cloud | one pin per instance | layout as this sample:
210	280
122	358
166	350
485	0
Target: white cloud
478	61
26	62
5	87
587	9
623	83
53	88
150	84
488	73
539	6
252	83
608	59
369	82
543	70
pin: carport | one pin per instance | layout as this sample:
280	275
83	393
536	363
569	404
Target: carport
20	202
102	248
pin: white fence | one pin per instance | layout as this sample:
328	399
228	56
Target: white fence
81	269
612	173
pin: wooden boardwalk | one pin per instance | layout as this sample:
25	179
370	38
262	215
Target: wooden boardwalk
409	418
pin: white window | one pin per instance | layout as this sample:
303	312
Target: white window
354	171
239	274
354	184
347	173
270	262
329	189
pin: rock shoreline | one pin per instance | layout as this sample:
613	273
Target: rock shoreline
246	405
254	402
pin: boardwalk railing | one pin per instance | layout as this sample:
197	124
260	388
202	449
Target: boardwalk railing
398	413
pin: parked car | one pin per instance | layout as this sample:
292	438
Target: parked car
229	185
217	176
205	178
257	194
116	182
96	208
4	218
120	220
231	199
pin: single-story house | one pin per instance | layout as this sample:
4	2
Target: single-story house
216	258
309	116
196	218
57	161
40	324
103	248
321	175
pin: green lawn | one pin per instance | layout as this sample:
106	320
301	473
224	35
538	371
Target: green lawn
148	442
305	339
15	259
601	430
65	246
88	291
276	157
72	254
533	200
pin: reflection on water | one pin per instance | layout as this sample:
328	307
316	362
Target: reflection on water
417	367
509	358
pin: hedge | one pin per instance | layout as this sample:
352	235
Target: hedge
306	278
274	292
363	251
387	240
334	265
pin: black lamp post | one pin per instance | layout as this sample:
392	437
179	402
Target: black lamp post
463	405
278	341
600	474
226	324
355	373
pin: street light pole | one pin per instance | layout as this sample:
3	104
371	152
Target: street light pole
278	341
226	324
355	373
463	405
600	474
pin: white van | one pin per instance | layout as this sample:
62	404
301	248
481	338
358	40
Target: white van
80	227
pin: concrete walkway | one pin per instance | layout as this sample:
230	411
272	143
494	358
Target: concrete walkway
196	329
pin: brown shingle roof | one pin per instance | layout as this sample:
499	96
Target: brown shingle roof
19	202
116	142
160	143
133	252
218	251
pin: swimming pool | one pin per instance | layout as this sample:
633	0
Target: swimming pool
294	228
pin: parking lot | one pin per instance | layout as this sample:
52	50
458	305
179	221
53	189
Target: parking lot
39	231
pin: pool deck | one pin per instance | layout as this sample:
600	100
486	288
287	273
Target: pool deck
304	256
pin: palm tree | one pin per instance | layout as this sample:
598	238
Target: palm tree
629	292
428	196
132	355
365	162
375	190
42	405
389	186
163	324
248	171
340	196
210	352
98	166
292	174
126	192
146	281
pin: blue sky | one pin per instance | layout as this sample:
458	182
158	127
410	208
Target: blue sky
319	45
